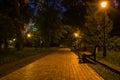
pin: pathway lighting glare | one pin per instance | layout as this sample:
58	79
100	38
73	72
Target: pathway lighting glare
76	35
14	39
29	35
103	4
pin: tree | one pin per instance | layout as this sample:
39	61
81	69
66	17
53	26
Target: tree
115	13
114	43
16	14
21	11
49	24
75	13
94	26
7	30
55	29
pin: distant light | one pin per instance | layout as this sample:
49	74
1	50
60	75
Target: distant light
14	39
103	4
76	34
10	41
29	35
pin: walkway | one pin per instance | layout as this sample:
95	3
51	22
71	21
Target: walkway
60	65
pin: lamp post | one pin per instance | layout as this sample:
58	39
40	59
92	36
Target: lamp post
29	35
76	35
104	5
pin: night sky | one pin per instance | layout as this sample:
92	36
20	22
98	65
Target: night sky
36	7
57	6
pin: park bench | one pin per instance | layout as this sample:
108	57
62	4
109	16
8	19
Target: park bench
86	54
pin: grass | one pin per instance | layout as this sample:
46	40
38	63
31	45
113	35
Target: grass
112	57
106	73
12	60
10	55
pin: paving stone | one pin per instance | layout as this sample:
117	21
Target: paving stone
60	65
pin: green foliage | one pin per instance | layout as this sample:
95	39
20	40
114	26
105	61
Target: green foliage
96	21
104	72
115	43
112	57
50	26
7	27
11	55
75	13
13	17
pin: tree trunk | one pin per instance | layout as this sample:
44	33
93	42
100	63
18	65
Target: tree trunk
20	37
1	42
5	43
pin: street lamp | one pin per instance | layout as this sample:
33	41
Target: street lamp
104	5
76	35
29	35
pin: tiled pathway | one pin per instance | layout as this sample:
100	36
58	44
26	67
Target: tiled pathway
60	65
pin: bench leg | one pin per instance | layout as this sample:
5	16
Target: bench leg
80	57
83	58
94	57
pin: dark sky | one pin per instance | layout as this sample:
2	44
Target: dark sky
51	3
57	6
